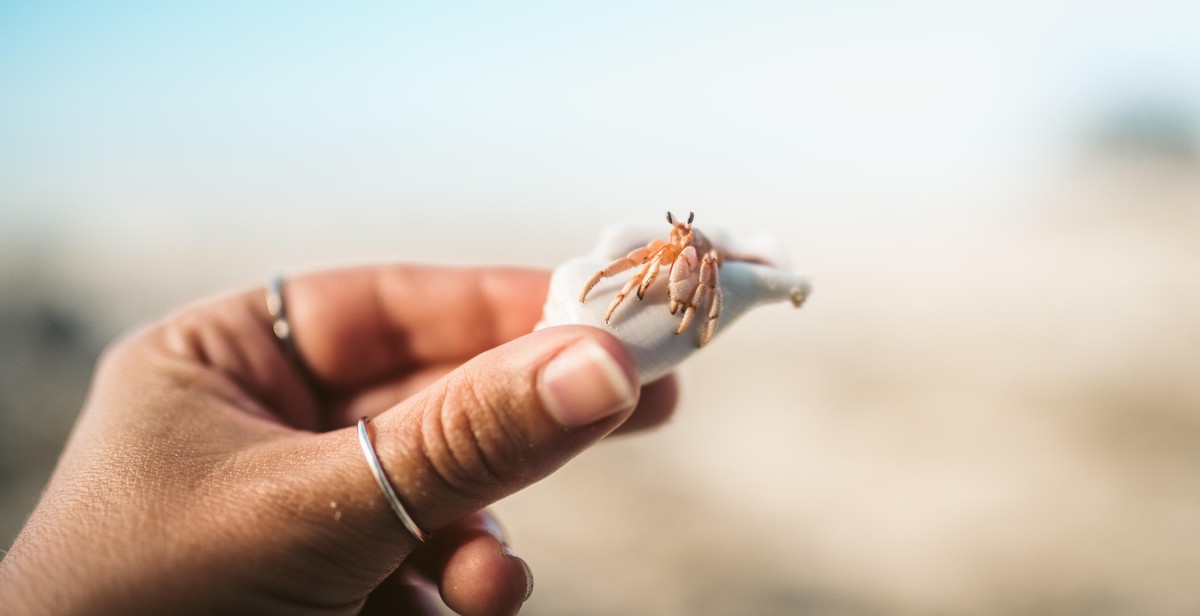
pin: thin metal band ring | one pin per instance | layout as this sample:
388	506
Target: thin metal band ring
283	331
275	306
364	439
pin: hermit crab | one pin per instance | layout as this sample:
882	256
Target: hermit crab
695	278
712	277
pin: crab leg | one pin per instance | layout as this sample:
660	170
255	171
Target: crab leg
635	257
682	283
707	265
714	308
626	290
709	288
664	254
743	258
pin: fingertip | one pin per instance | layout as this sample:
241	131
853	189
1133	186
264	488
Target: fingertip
585	382
482	577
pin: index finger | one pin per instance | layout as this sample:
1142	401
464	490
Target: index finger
353	327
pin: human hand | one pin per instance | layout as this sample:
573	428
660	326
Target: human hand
207	473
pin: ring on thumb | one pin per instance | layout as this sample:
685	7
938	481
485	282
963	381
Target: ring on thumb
503	420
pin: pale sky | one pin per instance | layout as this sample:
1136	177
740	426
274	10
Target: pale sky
151	112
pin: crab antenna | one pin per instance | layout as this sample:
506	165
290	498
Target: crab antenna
670	219
691	217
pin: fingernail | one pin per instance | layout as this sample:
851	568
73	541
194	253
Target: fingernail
528	572
584	384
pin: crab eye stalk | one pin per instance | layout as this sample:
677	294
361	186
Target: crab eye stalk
670	219
691	217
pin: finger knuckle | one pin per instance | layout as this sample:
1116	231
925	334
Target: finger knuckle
471	443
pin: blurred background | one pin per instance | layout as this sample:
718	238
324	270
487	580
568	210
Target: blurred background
991	404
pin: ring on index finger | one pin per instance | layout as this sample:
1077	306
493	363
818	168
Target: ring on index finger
280	326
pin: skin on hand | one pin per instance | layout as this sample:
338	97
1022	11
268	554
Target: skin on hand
207	473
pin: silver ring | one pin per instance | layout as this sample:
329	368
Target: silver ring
275	306
364	439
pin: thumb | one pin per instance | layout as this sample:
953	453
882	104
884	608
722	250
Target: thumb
503	420
500	422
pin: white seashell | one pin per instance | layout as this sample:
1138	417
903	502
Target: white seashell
646	326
